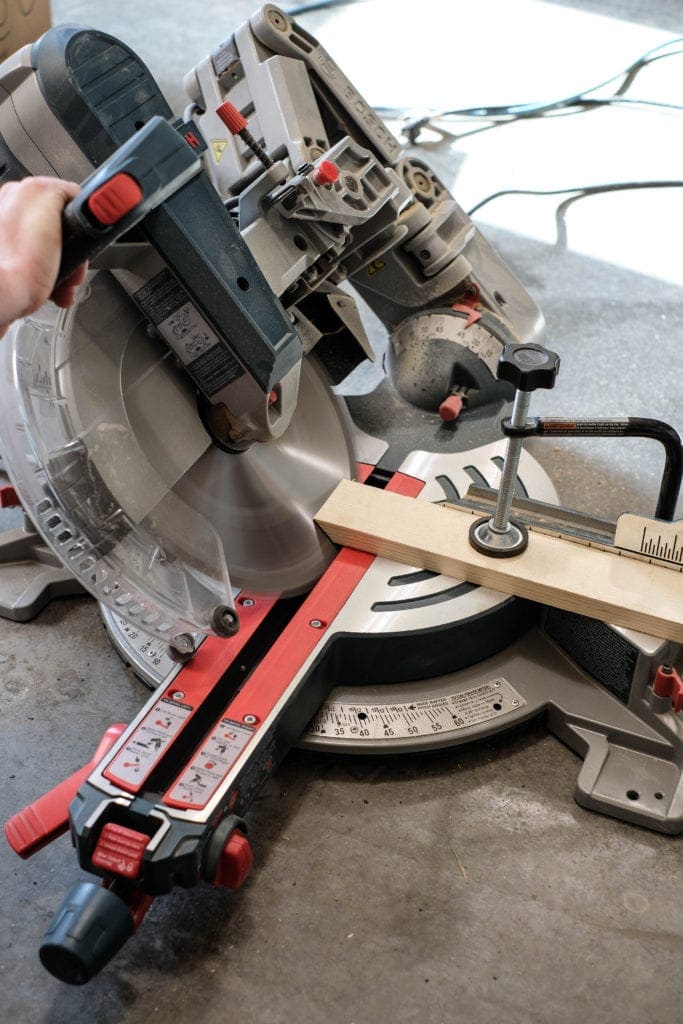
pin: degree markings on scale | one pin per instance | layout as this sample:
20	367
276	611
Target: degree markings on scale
479	342
437	715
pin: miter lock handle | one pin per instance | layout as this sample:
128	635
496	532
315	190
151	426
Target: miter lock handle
527	367
146	170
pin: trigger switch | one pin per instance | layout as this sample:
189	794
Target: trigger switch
112	201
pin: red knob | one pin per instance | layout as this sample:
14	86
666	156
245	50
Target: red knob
231	117
235	861
450	408
668	683
9	497
325	173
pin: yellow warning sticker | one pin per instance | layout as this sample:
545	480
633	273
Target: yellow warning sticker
374	266
218	148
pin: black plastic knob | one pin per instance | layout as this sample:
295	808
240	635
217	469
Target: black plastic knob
86	932
528	366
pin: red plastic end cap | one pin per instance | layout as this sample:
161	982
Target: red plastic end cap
231	118
450	408
325	173
112	201
9	497
668	683
235	861
120	850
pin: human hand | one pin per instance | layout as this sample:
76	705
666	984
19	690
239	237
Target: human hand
31	247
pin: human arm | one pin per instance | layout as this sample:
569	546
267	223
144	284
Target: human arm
31	247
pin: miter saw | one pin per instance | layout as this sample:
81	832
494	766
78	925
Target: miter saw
171	437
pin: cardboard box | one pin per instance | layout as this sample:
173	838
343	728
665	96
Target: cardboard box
21	22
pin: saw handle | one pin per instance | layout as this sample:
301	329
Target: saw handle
152	165
48	817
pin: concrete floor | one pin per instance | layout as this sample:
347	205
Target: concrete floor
461	886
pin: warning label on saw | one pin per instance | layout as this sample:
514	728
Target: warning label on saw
208	360
431	717
144	749
209	767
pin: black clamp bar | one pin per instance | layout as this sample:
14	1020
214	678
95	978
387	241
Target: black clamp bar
631	426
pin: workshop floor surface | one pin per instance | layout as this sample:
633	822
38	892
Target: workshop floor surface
466	885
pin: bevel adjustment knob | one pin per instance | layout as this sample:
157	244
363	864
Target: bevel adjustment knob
528	366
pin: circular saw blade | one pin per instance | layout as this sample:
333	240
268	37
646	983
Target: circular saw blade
259	504
262	501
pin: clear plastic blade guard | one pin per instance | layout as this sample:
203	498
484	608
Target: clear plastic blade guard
95	433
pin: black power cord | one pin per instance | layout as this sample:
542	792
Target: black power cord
496	116
580	101
574	194
508	113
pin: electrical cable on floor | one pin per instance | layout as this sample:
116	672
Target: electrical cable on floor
496	116
574	194
509	113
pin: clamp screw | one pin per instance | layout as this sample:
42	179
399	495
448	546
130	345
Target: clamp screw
668	683
527	367
236	123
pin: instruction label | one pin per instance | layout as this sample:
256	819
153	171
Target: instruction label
208	360
147	744
202	777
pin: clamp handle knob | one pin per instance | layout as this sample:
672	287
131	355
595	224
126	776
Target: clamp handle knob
528	366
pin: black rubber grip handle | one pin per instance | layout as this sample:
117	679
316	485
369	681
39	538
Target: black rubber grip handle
145	171
77	245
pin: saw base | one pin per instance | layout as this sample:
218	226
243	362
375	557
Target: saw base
31	575
591	680
632	762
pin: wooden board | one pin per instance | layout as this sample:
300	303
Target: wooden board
578	578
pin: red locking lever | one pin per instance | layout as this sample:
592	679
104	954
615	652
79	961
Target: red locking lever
48	817
668	683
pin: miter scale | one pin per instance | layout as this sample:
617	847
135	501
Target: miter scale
172	436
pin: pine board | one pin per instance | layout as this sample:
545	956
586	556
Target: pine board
575	577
